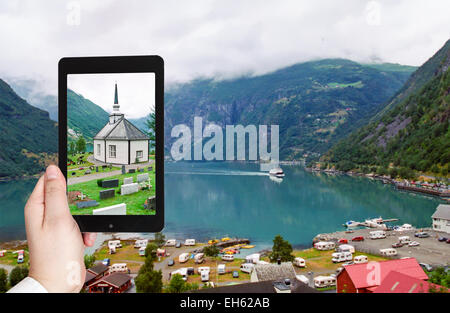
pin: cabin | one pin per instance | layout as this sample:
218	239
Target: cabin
113	283
99	270
354	278
441	218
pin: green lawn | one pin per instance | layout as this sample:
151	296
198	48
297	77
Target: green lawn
134	202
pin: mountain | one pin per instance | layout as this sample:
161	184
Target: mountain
31	91
29	139
140	123
314	103
412	131
84	117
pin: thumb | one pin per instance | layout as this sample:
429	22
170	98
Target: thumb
55	194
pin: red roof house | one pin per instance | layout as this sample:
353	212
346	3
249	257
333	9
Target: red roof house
366	277
396	282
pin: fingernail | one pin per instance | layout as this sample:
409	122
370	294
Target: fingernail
52	172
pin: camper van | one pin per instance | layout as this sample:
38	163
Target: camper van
118	267
184	257
221	269
324	281
324	245
360	259
141	243
247	267
199	258
182	271
338	257
377	234
388	252
404	240
252	258
204	273
112	249
189	242
346	248
142	251
114	243
299	262
171	242
227	257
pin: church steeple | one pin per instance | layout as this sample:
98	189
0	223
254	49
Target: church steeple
116	105
115	114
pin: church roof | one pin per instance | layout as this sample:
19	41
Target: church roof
121	130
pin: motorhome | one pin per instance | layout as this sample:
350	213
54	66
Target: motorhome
114	243
404	227
346	248
338	257
404	239
182	271
388	252
252	258
141	243
184	257
227	257
299	262
199	258
324	281
377	234
204	273
302	278
247	267
118	267
221	269
189	242
324	245
142	251
171	243
360	259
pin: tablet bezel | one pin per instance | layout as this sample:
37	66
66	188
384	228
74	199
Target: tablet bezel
104	65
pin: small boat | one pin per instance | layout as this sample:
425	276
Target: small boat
351	224
277	172
247	246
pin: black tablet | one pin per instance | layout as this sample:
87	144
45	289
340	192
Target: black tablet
111	148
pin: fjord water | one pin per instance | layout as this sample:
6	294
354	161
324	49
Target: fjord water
208	200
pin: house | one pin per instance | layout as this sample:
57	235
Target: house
396	282
98	270
366	277
113	283
268	286
441	218
119	141
273	271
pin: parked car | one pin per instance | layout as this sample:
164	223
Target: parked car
343	240
190	271
359	238
235	274
426	267
178	245
422	235
441	239
171	262
397	245
448	240
413	244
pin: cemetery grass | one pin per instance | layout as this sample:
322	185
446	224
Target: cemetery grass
134	202
85	165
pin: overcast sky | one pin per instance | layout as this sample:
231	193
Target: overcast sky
136	91
221	38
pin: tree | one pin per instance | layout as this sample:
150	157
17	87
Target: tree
149	280
178	285
212	250
71	148
3	280
17	274
81	145
160	239
151	125
89	260
281	250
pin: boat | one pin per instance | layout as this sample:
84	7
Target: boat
277	172
351	224
247	246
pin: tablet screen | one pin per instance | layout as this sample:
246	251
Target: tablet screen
111	144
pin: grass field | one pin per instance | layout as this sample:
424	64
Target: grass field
85	166
134	202
11	259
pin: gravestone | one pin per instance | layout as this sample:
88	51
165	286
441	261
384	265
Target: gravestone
91	167
86	204
123	170
103	166
150	168
110	166
142	177
131	170
106	194
151	203
117	209
141	170
96	168
110	183
128	180
87	172
73	173
129	189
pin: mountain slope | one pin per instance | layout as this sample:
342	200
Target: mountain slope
413	129
28	136
83	116
314	103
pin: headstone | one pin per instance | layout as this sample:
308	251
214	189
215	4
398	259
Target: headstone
129	189
96	168
110	166
117	209
86	204
151	203
127	180
141	170
91	167
106	194
142	177
150	168
110	183
123	170
103	166
87	172
131	170
73	173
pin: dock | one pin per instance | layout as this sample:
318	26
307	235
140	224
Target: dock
428	191
232	242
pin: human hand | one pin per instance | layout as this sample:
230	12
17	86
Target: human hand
55	242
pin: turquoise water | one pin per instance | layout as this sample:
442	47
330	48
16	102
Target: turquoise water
206	200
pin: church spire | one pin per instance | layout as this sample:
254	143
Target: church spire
116	105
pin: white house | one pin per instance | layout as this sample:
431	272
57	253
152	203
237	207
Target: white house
119	141
441	218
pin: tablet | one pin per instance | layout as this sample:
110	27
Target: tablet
111	147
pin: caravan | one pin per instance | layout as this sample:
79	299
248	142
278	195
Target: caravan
171	243
338	257
204	273
142	251
119	268
346	248
141	243
189	242
184	257
388	252
252	258
324	281
221	269
404	240
299	262
324	245
247	267
360	259
182	271
114	243
199	258
377	234
227	257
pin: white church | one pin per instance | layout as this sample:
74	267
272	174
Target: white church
119	141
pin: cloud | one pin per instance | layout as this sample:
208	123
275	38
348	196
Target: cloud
217	38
